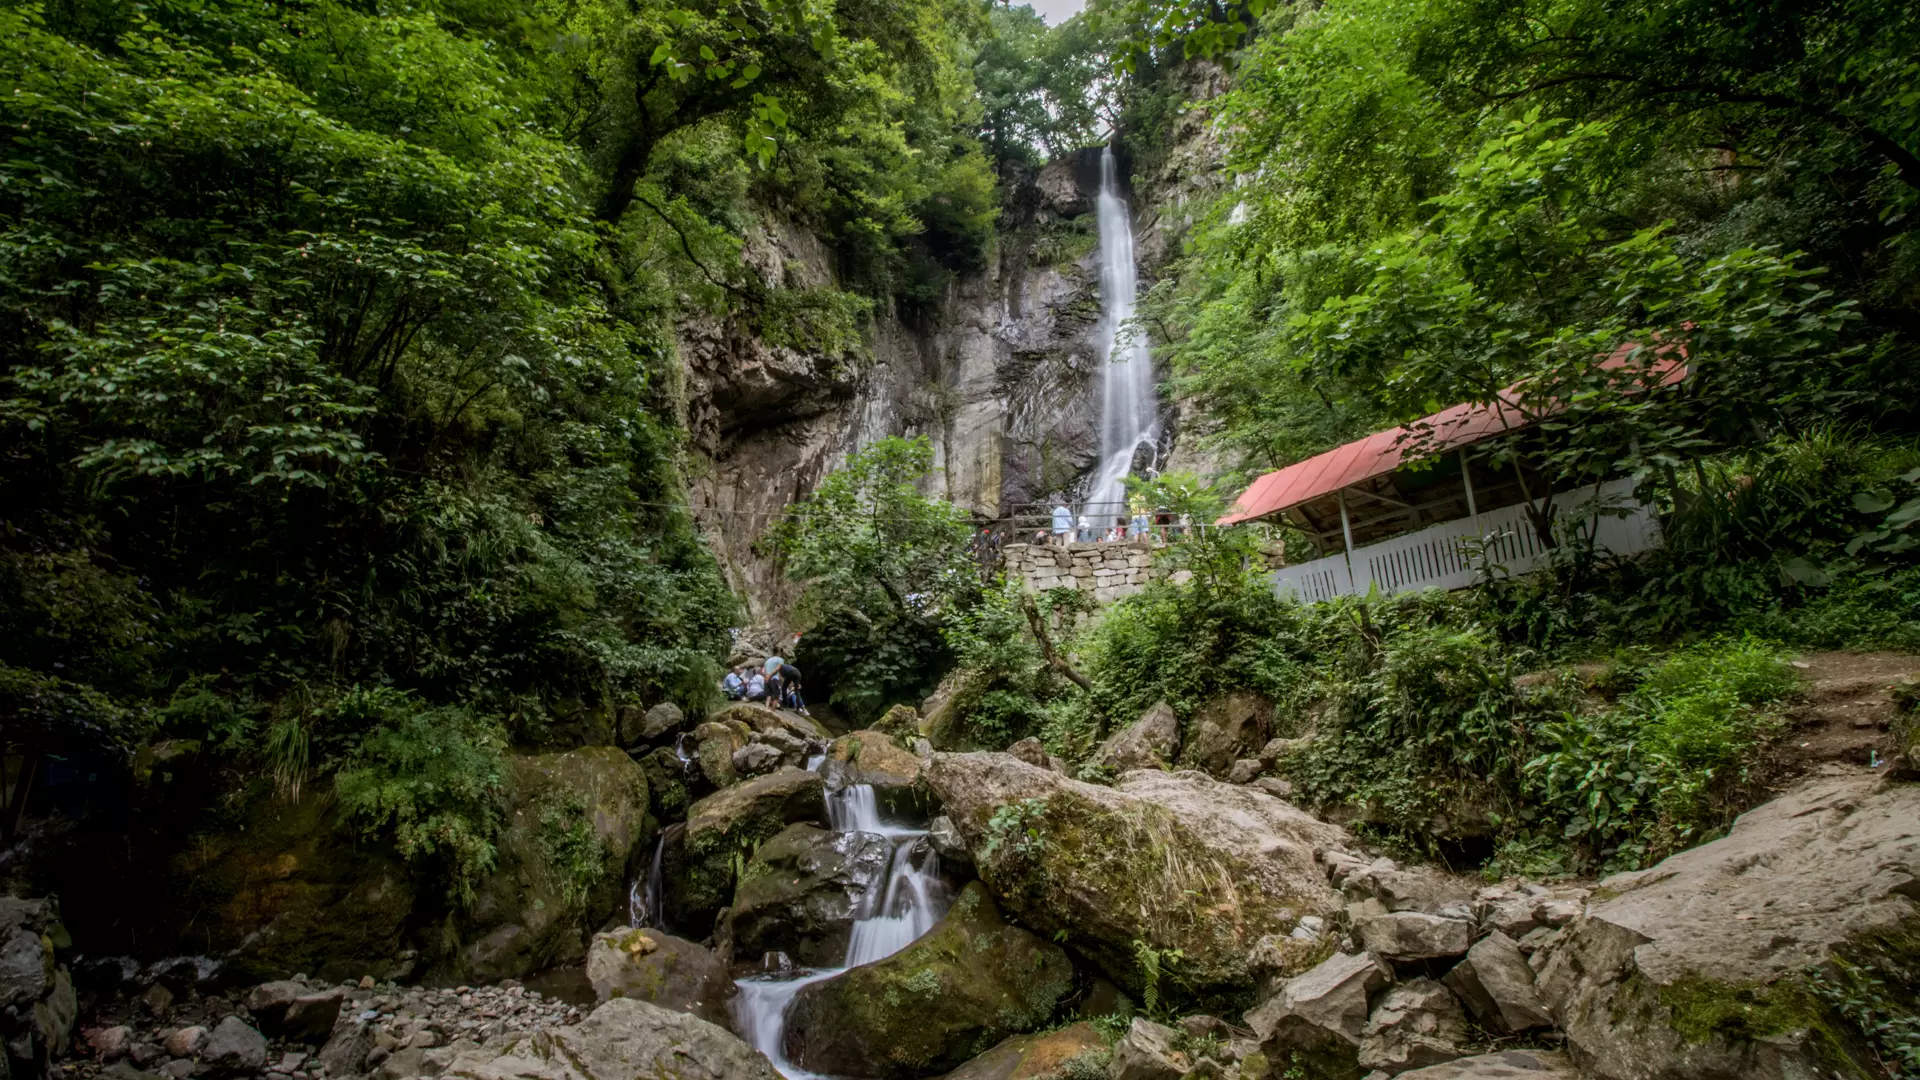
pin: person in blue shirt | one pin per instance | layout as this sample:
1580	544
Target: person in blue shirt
733	685
1062	525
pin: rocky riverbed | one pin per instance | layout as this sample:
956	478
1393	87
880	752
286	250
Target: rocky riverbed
1169	925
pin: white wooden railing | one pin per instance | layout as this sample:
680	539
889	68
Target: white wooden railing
1436	557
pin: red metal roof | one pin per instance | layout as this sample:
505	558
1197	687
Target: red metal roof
1385	451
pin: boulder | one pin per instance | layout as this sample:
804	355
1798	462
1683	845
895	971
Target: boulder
184	1042
37	1001
969	982
757	717
290	1010
1147	1052
756	758
621	1040
1148	743
1417	1023
1225	730
1316	1021
233	1049
660	721
871	757
800	892
1037	1057
1172	860
659	969
714	745
532	912
947	842
1505	1065
1413	935
1696	967
698	863
669	783
112	1043
1497	985
1244	771
1031	751
345	1054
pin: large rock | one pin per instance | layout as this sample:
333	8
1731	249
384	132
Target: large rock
623	1039
1505	1065
534	912
722	832
1416	1023
37	1001
871	757
714	745
1413	935
659	969
800	892
661	720
1036	1057
964	985
761	718
1170	860
1225	730
1147	743
293	1011
1695	967
1497	985
1146	1052
1315	1023
233	1049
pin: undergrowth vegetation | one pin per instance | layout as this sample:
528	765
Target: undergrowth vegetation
1592	716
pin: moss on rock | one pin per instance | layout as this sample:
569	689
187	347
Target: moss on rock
968	983
703	862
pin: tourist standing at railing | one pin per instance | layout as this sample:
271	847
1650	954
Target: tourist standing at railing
1085	533
1062	524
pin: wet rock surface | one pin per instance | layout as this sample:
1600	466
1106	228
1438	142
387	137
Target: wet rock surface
799	894
659	969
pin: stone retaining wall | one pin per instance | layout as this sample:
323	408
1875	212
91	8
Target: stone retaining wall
1108	571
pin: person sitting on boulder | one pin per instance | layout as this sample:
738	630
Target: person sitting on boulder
733	686
756	686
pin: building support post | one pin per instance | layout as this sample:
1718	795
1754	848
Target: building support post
1346	535
1466	478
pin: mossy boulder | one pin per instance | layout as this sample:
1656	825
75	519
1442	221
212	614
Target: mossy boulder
702	862
669	787
1040	1057
758	717
800	891
968	983
714	744
871	757
1698	966
573	823
659	969
1171	861
289	892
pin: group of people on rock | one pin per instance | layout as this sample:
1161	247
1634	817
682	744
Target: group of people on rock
775	683
1160	526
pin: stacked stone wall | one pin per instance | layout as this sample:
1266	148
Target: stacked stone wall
1107	571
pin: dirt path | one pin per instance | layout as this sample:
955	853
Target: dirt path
1843	722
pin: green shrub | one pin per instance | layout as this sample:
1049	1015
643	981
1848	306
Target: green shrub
573	850
429	781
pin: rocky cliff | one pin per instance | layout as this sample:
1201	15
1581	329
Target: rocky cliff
1002	376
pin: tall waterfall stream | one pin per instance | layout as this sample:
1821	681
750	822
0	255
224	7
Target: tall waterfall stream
1128	413
906	906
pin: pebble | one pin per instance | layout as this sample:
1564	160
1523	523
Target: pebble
415	1017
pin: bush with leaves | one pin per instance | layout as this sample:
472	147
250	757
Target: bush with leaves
430	781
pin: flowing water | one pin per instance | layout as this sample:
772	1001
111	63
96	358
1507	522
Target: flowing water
911	901
643	901
1129	418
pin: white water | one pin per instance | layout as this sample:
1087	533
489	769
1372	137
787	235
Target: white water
1128	417
891	919
643	902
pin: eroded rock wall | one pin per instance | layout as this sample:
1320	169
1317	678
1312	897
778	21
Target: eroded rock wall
1002	376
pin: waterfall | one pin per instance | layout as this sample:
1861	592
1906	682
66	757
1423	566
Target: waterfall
1128	409
643	901
889	920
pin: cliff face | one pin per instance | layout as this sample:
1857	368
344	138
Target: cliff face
1003	378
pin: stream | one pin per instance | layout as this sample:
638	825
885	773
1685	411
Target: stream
911	900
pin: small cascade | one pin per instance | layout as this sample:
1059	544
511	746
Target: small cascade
681	750
1129	413
913	899
643	896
